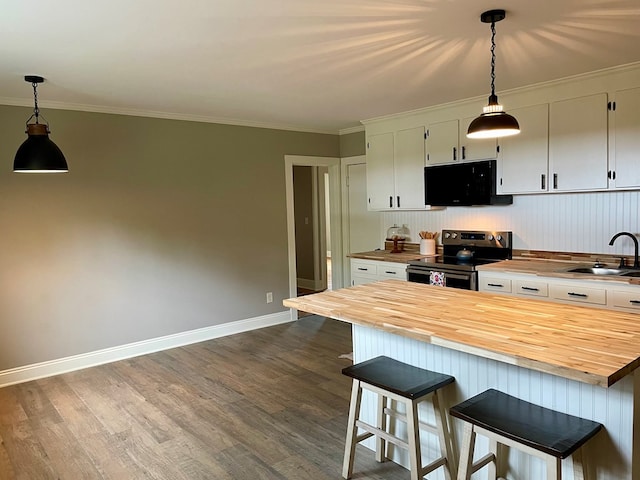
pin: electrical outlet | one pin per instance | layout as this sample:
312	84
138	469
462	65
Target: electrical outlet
269	297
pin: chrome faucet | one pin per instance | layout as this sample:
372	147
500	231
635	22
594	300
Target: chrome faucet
636	263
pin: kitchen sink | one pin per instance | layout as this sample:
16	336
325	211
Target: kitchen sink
600	271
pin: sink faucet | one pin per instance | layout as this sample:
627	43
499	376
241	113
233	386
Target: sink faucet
636	263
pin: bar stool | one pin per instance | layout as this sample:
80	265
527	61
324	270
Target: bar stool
408	385
509	421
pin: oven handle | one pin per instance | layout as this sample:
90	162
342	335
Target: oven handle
456	276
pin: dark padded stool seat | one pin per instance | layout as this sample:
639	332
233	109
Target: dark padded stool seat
397	377
394	381
552	433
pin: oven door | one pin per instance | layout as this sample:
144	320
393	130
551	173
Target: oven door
454	279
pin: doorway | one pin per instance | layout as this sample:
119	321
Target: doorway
325	226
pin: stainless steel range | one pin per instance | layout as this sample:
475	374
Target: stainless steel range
462	252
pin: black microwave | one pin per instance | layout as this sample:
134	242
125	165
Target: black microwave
463	184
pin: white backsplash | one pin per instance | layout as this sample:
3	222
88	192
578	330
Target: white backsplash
572	222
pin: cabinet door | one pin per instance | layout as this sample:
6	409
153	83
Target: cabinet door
442	143
627	138
409	162
380	171
473	148
578	150
524	158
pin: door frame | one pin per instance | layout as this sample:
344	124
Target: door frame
333	164
346	220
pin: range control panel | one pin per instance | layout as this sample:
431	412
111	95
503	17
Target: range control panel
477	238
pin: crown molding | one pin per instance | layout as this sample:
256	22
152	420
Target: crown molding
347	131
79	107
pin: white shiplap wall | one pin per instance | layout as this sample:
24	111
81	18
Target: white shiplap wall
572	222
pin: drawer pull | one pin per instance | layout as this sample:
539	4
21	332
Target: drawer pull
580	295
530	289
498	285
391	273
634	302
362	269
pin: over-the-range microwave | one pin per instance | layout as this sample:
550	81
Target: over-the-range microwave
463	184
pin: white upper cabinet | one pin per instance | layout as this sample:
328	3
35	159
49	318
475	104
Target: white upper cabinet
380	188
395	170
409	168
472	149
442	143
578	148
524	158
625	170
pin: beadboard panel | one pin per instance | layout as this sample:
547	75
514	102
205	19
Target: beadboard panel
571	222
614	406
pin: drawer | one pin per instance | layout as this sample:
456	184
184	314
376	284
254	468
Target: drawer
362	268
580	294
392	271
535	289
625	299
495	284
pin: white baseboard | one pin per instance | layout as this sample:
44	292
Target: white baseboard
314	285
99	357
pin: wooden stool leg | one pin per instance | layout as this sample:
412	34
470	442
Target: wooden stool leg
444	437
466	452
492	467
381	444
579	472
413	432
352	430
554	468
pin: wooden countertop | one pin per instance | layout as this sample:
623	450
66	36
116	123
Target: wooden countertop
387	256
580	343
552	268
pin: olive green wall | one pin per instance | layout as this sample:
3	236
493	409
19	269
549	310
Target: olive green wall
352	144
160	227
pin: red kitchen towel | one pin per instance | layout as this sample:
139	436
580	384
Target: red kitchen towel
437	279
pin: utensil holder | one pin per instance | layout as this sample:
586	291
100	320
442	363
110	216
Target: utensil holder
427	246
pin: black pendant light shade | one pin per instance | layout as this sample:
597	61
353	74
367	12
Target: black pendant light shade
493	122
38	154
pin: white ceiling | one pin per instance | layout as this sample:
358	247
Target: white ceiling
316	65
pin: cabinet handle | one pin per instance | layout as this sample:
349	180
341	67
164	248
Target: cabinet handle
363	269
464	152
455	153
580	295
499	285
391	201
543	181
391	273
634	302
530	289
555	181
398	202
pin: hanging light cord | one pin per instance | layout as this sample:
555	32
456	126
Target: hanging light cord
493	59
36	110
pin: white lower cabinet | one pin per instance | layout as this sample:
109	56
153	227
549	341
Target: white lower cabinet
593	293
367	271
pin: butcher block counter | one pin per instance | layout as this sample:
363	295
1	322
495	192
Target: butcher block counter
574	342
579	360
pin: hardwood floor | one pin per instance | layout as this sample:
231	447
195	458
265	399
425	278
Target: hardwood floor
266	404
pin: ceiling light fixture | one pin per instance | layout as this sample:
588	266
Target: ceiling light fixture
38	154
493	122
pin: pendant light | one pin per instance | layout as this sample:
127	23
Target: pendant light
493	122
38	154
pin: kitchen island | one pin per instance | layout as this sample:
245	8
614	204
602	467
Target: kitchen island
577	360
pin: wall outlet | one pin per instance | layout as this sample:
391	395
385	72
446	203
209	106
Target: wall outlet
269	297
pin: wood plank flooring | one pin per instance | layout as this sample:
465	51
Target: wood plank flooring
266	404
